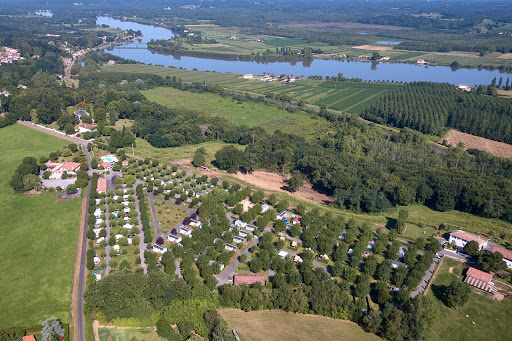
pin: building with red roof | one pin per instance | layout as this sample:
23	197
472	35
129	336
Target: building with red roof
86	127
102	185
248	279
481	280
461	238
507	255
57	169
28	338
106	165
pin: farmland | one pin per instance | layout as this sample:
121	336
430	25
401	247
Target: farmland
38	238
491	317
248	113
279	325
342	96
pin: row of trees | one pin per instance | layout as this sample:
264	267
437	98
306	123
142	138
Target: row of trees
431	107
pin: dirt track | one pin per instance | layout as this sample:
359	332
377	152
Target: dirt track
453	137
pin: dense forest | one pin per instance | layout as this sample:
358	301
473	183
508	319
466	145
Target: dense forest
431	107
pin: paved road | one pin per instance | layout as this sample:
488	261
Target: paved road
142	244
158	231
229	271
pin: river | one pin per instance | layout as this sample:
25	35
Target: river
365	70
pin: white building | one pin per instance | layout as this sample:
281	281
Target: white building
159	249
507	255
174	238
185	231
461	238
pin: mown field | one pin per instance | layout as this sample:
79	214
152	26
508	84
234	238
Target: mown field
343	96
251	114
491	318
144	149
128	334
272	325
38	238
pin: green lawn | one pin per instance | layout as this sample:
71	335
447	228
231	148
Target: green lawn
38	238
492	318
251	114
165	155
168	215
128	334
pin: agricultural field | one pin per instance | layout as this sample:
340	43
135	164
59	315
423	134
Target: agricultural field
469	59
269	325
251	114
491	318
342	96
38	238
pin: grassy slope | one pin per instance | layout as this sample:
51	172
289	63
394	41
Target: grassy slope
38	238
492	318
251	114
279	325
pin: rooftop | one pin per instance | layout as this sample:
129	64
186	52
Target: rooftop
468	236
102	185
249	279
484	276
506	253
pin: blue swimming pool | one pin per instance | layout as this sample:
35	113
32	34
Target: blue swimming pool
108	159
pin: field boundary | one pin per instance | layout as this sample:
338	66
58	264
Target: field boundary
366	99
76	276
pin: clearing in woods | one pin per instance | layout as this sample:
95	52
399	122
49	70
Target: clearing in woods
453	137
270	325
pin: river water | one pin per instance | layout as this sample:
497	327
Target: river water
365	70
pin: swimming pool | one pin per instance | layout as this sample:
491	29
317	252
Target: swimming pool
108	159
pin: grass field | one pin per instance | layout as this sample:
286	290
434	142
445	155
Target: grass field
117	334
251	114
37	240
344	96
168	215
492	318
144	149
279	325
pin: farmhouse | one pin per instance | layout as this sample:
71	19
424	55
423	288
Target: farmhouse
420	61
106	165
461	238
364	57
248	76
248	279
102	185
480	280
507	255
57	169
86	128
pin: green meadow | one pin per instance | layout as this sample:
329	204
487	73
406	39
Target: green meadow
350	97
38	238
251	114
491	318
